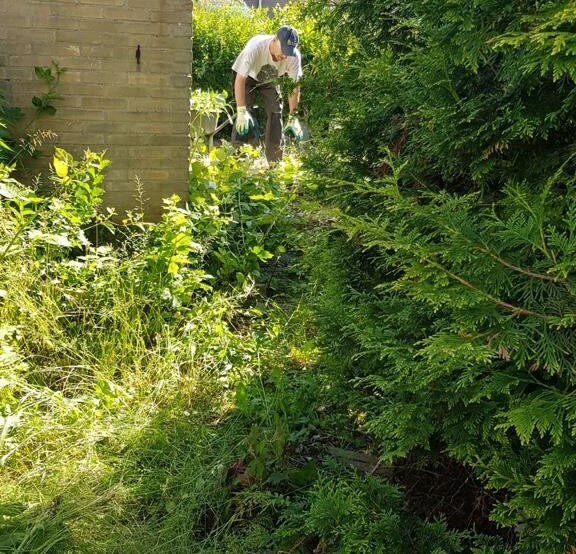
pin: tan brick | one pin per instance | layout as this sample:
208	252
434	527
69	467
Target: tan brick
168	140
163	92
126	91
180	81
105	77
148	105
183	30
105	51
104	2
77	37
81	89
165	16
17	36
153	41
152	175
137	118
123	66
75	115
145	4
104	102
141	127
61	52
71	77
183	56
114	13
29	60
82	141
77	11
146	79
52	22
167	67
18	21
146	152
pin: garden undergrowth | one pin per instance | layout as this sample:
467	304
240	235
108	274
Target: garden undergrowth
163	391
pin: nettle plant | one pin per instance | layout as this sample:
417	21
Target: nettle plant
253	205
44	103
61	218
14	148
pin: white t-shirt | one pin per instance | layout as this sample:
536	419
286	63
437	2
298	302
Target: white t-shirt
256	61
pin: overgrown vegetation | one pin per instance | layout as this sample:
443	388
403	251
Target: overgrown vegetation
369	349
146	402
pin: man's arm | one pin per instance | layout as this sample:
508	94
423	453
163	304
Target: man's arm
244	120
240	90
293	100
293	126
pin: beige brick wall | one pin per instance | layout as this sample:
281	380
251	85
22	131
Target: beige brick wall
139	113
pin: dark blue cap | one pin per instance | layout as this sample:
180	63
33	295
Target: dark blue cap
288	37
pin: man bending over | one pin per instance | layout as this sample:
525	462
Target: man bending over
263	59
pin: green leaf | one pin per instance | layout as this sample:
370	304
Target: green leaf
50	238
61	167
261	253
268	196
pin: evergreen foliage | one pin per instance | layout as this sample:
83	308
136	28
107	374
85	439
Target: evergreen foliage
456	87
450	297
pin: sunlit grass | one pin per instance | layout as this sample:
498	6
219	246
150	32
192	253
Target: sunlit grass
118	423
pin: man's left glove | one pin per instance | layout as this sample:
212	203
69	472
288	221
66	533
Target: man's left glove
244	121
294	128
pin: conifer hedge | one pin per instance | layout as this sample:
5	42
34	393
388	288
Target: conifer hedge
446	289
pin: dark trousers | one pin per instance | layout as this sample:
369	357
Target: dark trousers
272	99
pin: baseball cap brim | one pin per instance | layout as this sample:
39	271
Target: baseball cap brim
288	50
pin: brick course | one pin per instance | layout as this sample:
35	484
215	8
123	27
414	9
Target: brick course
138	113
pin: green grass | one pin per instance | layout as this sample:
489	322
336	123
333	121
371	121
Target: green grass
119	391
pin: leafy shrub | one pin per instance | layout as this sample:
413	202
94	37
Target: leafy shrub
208	103
220	33
252	207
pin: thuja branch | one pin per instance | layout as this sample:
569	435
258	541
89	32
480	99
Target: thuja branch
508	264
516	310
526	272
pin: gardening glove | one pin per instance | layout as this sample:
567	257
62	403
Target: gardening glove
294	128
244	121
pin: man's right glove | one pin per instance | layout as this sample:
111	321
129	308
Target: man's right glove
294	128
244	121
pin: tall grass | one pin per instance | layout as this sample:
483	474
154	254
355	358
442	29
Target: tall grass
103	417
114	387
